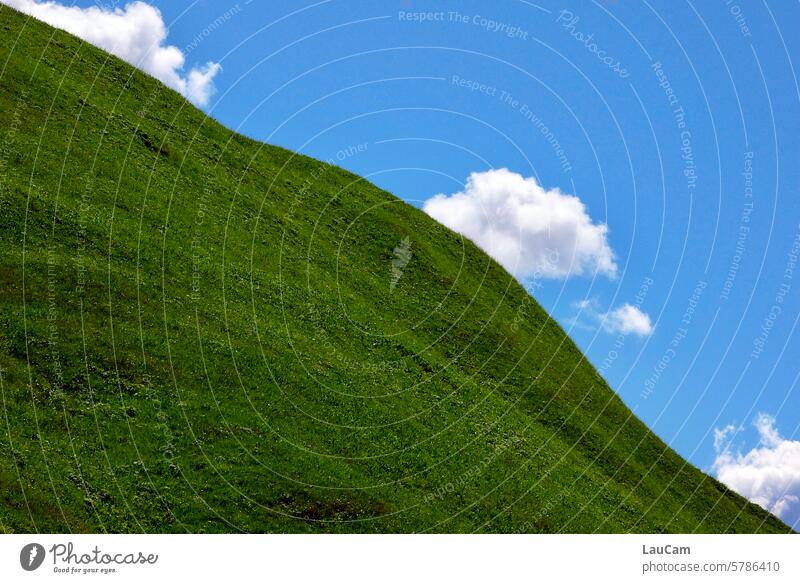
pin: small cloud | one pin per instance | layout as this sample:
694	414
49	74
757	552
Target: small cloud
723	437
200	83
768	475
136	34
627	319
531	231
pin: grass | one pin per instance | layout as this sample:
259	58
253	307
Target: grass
203	333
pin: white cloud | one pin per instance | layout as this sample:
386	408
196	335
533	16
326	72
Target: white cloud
768	475
627	319
723	436
135	34
531	231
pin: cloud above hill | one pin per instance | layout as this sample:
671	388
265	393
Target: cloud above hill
627	319
136	34
768	475
531	231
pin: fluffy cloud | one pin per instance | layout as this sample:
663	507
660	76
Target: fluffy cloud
768	474
627	319
135	34
531	231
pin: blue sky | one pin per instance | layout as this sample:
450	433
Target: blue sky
675	124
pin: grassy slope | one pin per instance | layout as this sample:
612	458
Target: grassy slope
197	333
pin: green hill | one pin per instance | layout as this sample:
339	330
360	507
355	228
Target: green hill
200	332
